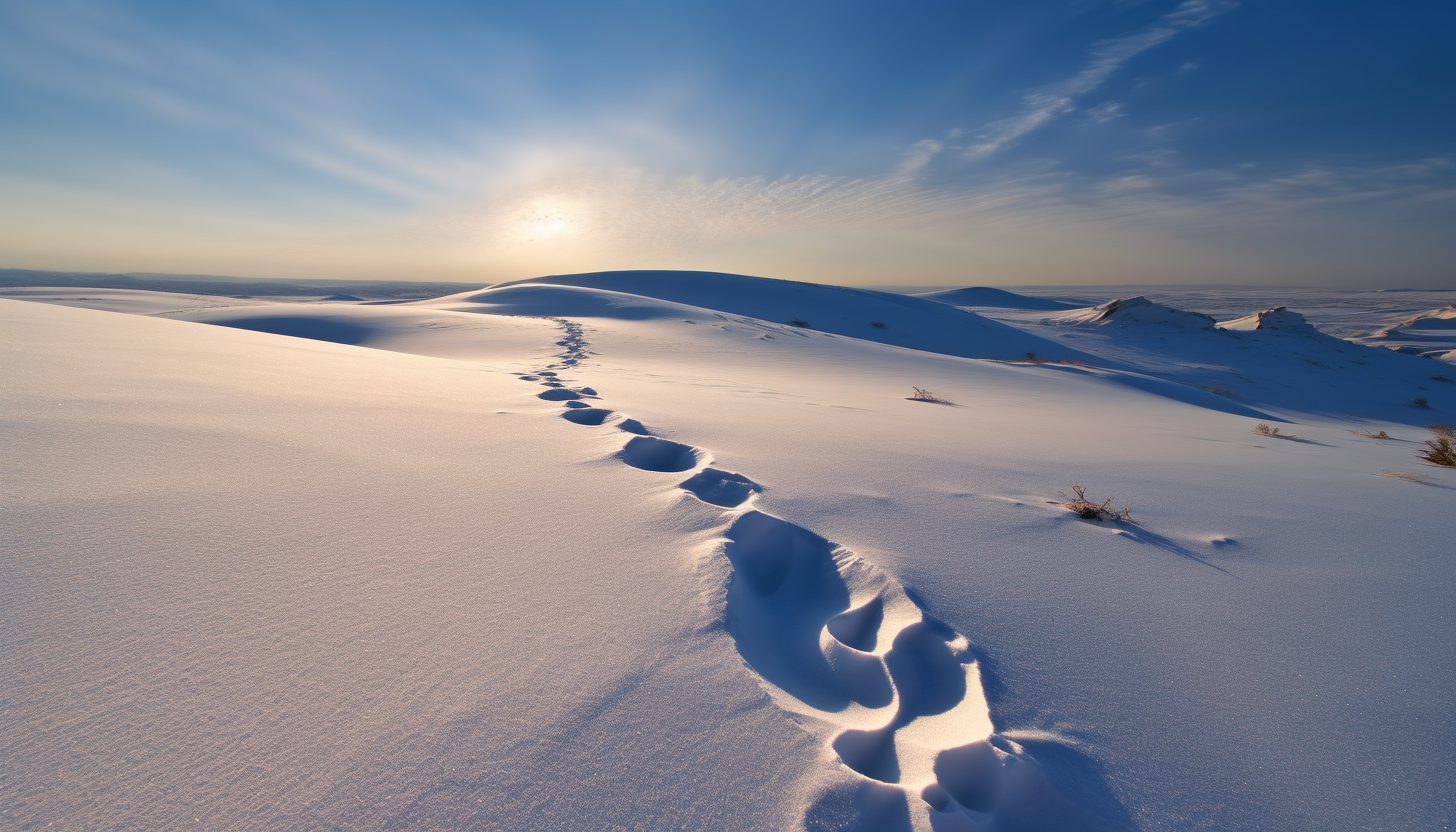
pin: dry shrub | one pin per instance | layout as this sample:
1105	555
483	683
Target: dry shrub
1033	358
1087	509
1368	435
1440	451
1265	429
1443	429
923	395
1406	476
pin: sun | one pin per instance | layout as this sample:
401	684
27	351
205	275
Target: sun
547	220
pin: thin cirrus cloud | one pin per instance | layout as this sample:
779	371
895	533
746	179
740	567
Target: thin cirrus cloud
1044	105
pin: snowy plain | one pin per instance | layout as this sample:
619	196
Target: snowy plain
677	551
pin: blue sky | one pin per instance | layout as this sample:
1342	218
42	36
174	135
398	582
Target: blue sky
851	142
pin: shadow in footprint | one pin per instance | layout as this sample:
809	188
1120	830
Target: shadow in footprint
558	394
633	426
785	586
1063	789
650	453
721	488
930	678
587	415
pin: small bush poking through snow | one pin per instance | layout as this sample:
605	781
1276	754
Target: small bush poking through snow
1089	510
1368	435
923	395
1443	429
799	322
1440	451
1421	402
1264	429
879	325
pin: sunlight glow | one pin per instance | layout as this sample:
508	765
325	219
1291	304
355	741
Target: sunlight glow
548	220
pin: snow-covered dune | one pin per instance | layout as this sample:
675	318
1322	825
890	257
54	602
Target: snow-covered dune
988	298
1271	360
1430	334
641	555
884	317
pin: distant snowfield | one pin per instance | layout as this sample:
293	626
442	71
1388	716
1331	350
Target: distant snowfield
637	551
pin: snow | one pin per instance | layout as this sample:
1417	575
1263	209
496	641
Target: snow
632	550
1137	311
1278	318
988	297
1430	334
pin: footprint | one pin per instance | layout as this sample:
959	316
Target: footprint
721	488
587	415
576	403
650	453
558	394
633	426
895	693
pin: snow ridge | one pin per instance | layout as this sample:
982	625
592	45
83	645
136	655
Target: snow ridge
1279	318
847	653
1137	311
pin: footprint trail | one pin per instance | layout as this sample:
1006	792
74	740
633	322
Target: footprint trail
840	646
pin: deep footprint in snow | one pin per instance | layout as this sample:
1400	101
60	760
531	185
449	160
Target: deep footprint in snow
633	426
653	454
586	415
896	693
721	488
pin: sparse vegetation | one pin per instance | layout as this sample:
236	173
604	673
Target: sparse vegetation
1441	450
1406	476
1089	509
799	322
1265	429
879	325
1421	402
1033	358
1376	435
923	395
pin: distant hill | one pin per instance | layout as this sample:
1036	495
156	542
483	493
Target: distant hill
219	285
987	297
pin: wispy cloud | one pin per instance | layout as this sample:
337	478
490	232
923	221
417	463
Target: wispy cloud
1042	106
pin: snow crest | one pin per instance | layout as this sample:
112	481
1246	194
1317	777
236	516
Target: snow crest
1279	318
1137	311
